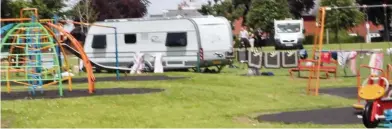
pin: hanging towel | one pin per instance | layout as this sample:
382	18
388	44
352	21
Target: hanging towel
376	61
334	55
353	63
326	57
343	58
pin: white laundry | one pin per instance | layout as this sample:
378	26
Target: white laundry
389	51
158	68
80	65
343	58
69	26
138	65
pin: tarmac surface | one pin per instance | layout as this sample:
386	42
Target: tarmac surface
113	78
345	92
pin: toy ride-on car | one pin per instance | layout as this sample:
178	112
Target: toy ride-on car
378	108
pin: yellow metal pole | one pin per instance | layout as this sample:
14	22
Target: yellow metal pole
320	46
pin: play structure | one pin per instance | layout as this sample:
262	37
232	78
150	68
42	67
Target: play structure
321	60
376	93
31	53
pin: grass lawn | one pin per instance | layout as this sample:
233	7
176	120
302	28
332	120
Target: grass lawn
204	100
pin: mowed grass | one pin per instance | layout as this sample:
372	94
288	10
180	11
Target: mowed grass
202	100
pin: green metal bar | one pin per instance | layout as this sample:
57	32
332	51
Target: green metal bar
56	62
26	49
37	59
8	35
26	43
33	54
21	44
27	35
17	58
23	66
20	80
35	40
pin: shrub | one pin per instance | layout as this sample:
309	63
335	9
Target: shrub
343	38
308	39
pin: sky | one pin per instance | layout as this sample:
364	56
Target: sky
155	7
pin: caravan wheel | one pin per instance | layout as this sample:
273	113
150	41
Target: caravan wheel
97	70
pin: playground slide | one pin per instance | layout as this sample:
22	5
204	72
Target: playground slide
75	52
6	28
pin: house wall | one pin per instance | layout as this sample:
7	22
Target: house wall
237	26
310	29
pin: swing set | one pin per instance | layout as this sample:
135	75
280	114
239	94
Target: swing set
374	90
330	58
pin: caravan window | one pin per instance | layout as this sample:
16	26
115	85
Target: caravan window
130	38
99	41
178	39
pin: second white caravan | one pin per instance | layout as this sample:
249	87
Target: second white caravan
179	40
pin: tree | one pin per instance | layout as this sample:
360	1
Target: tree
109	9
10	8
6	9
263	13
338	19
89	11
222	8
377	15
84	13
46	8
296	6
246	4
299	6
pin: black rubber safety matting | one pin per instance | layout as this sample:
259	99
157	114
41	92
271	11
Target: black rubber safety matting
54	94
330	116
113	78
345	92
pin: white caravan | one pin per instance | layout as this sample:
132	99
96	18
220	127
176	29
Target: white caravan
289	34
177	39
